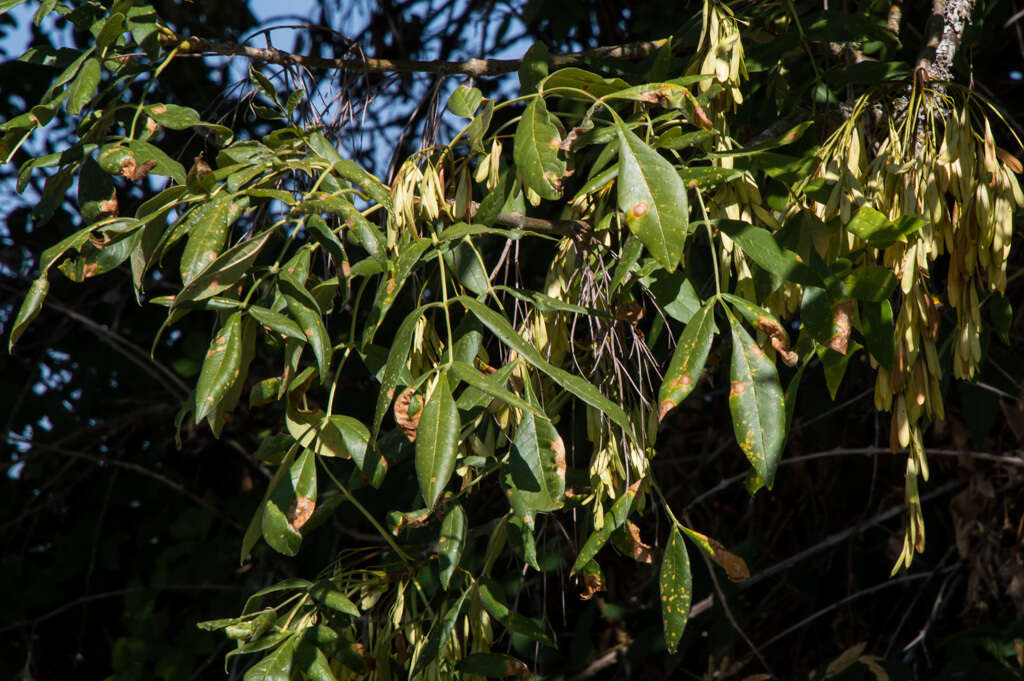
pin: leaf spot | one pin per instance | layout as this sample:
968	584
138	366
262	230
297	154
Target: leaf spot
639	209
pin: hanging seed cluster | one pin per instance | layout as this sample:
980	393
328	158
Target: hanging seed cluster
948	171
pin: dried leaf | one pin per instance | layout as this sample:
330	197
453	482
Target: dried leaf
779	339
408	409
841	325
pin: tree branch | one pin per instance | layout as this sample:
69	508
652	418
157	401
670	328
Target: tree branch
943	34
469	67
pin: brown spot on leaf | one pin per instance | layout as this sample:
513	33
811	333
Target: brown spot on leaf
151	126
89	270
558	447
346	269
300	512
737	388
666	407
134	172
159	109
639	209
571	138
841	325
631	312
408	409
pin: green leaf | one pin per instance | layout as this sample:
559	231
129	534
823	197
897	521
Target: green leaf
572	78
369	184
397	355
756	402
211	223
165	165
225	271
7	5
613	520
97	194
220	368
759	245
583	389
437	441
536	151
676	589
290	506
816	314
870	282
304	309
111	31
83	88
535	473
391	286
533	68
255	529
276	322
688	360
30	307
674	294
464	101
486	384
451	543
652	195
1000	309
513	621
439	635
876	229
877	327
173	116
275	667
789	137
327	594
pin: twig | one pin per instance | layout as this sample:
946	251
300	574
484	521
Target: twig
844	601
471	67
136	468
607	659
120	592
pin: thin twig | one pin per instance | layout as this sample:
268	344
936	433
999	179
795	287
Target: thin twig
471	67
135	468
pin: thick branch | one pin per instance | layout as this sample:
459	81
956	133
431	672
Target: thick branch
943	34
470	67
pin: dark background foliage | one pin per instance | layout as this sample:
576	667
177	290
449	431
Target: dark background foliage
116	539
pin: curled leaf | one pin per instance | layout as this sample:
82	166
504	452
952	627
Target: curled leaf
841	326
778	338
408	409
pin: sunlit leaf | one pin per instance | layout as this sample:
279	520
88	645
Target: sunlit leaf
688	360
653	198
451	543
437	441
757	404
536	151
225	271
676	589
220	367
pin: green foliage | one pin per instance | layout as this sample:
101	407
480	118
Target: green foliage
630	191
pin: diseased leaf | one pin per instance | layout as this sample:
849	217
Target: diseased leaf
437	441
676	590
225	271
757	404
653	198
220	368
572	78
451	543
688	360
208	232
276	322
536	151
534	477
397	355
